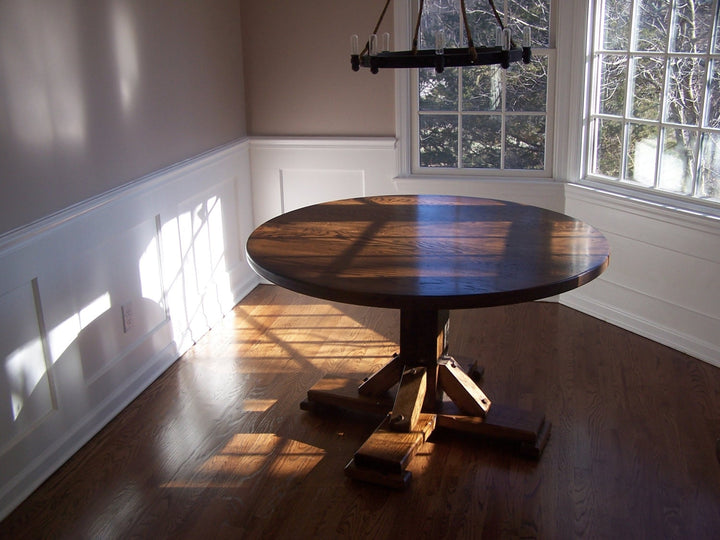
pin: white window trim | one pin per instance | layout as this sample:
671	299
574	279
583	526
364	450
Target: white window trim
402	16
571	42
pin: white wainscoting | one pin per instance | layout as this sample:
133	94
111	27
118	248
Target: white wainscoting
289	173
664	263
663	274
98	300
165	256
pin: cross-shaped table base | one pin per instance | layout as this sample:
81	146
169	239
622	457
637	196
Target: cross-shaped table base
418	407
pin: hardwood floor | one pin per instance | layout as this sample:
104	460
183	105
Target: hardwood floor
218	447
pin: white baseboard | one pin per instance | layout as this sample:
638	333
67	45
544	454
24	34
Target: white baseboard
663	266
688	344
41	466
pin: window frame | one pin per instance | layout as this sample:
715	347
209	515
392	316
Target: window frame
408	114
591	113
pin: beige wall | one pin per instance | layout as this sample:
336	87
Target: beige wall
96	94
297	69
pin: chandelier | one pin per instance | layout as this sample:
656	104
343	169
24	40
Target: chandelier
378	56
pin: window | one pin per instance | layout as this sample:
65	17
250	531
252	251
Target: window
654	107
484	118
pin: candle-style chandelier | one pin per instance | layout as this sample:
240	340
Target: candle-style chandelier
378	56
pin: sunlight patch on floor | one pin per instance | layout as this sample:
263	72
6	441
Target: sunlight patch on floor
250	455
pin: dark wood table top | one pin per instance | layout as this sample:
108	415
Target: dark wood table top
427	252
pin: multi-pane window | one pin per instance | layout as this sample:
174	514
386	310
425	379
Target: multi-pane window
655	96
484	117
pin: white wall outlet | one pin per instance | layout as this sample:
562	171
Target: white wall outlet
127	317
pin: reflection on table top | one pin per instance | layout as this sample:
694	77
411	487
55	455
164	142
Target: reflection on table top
427	251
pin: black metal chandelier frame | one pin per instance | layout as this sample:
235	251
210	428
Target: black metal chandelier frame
504	53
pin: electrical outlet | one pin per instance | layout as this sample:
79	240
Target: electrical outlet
127	317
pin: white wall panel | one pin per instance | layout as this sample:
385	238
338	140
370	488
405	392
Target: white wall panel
303	187
97	301
25	384
288	173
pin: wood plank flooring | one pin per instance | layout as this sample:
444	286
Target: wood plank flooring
218	447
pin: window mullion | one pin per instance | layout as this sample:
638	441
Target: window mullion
503	117
710	63
695	188
629	96
663	105
460	118
595	82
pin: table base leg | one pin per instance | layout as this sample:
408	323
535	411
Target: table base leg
384	457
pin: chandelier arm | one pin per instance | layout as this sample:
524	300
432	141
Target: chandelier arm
377	26
471	45
417	27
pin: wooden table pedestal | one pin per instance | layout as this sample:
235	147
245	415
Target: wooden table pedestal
420	389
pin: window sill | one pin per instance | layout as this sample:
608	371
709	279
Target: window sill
442	175
652	198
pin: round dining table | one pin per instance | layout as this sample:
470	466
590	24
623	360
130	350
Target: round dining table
425	255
